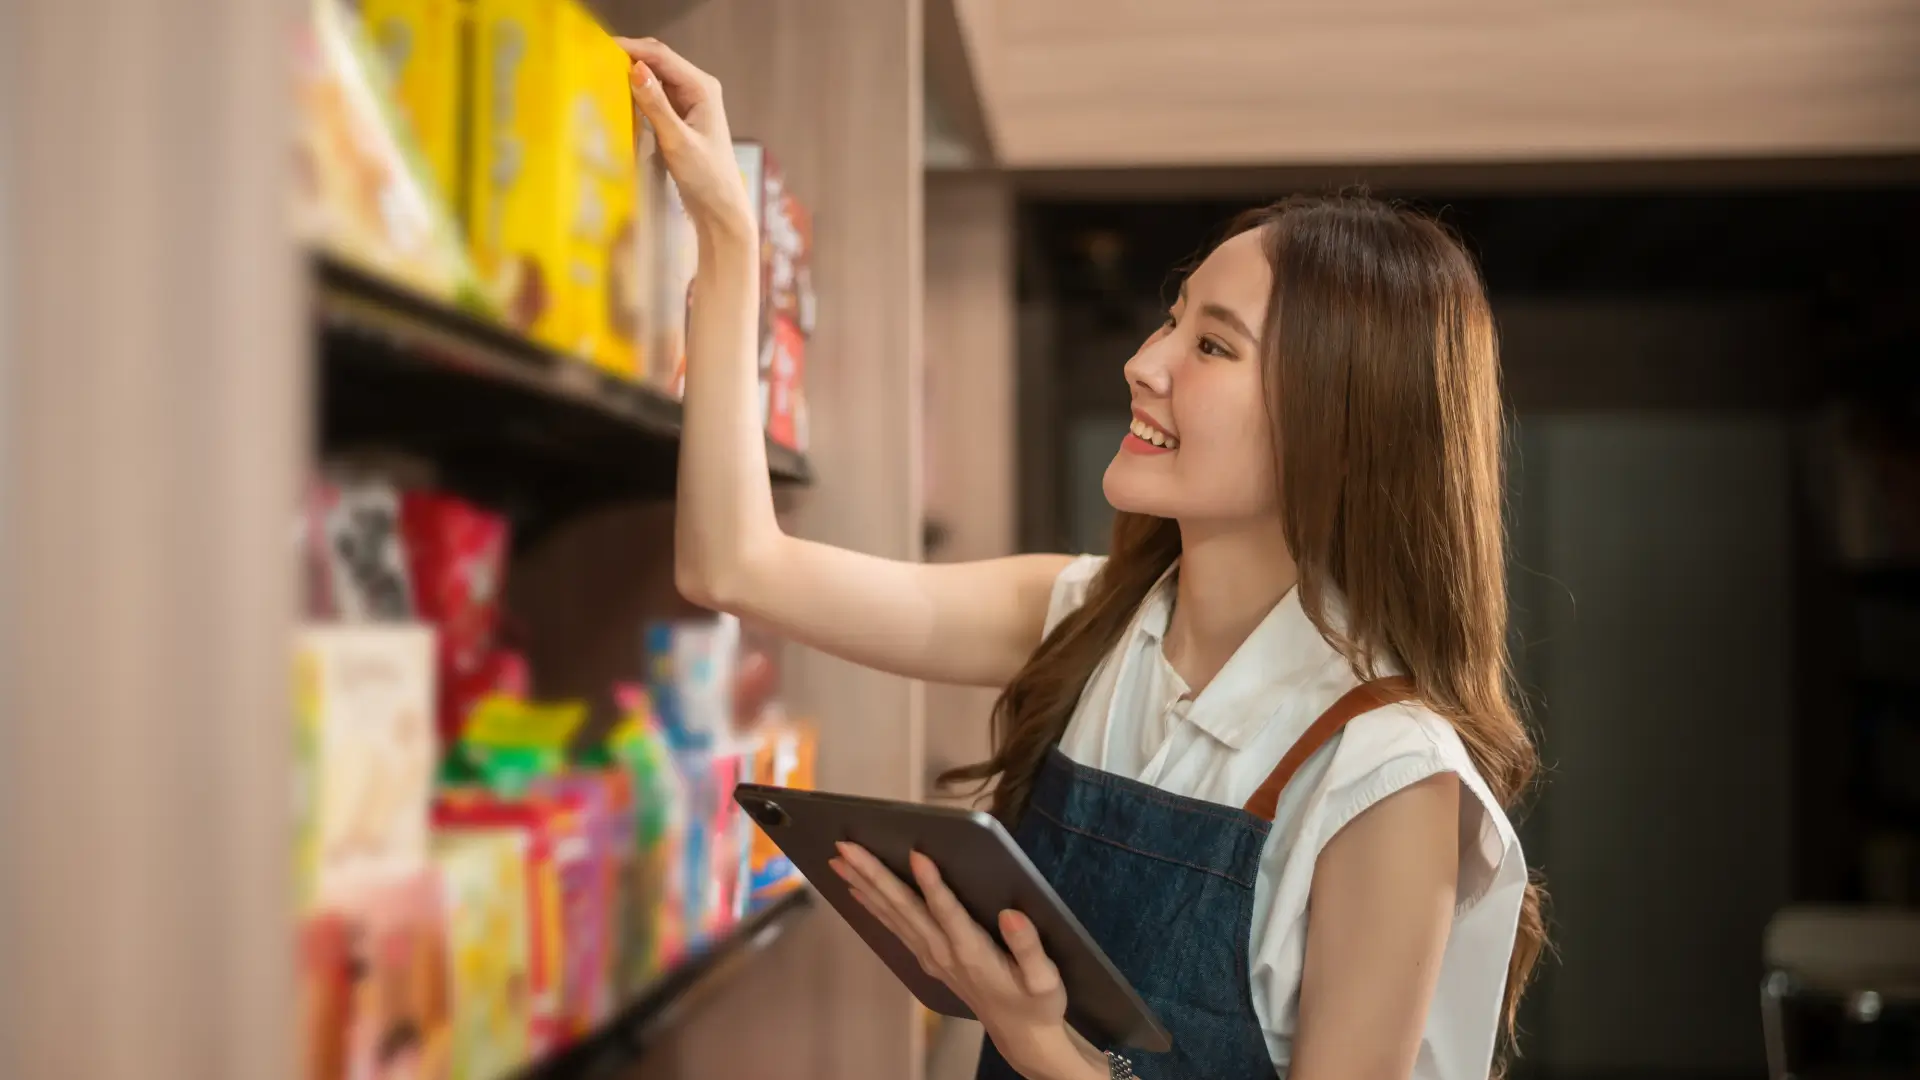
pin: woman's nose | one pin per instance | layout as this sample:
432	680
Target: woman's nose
1148	371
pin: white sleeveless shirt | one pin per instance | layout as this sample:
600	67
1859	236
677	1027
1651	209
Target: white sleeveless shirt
1136	719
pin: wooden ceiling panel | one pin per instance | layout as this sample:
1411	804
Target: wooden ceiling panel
1090	84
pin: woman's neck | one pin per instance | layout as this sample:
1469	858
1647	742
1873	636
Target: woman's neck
1229	580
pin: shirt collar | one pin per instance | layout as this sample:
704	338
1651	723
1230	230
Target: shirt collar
1258	677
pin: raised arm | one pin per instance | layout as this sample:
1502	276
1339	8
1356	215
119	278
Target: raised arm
964	623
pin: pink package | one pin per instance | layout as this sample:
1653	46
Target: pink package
732	842
582	863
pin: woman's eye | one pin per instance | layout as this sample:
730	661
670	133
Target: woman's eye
1211	347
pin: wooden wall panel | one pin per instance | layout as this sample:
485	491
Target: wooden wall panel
971	436
834	88
1119	83
152	430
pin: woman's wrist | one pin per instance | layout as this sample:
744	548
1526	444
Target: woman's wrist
730	232
1066	1056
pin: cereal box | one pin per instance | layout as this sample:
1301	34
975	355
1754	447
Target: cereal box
484	878
370	691
421	40
553	197
362	190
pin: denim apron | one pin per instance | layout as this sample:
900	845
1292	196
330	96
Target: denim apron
1165	884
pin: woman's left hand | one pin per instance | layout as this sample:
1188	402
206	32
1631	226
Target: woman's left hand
1015	992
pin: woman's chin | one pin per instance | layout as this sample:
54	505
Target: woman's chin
1131	493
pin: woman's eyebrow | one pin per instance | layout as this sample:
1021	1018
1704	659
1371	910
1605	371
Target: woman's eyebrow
1234	322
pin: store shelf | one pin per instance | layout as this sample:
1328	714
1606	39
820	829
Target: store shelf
505	420
613	1050
643	16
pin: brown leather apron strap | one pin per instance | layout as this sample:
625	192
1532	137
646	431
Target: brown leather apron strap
1358	701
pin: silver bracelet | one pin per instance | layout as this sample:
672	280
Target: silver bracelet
1118	1068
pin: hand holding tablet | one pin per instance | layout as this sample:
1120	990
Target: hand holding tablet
937	880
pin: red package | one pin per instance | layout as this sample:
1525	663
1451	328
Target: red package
457	555
786	231
784	402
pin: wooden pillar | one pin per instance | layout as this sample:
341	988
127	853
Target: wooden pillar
971	438
152	431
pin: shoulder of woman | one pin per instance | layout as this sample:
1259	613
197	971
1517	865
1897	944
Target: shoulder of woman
1071	586
1392	748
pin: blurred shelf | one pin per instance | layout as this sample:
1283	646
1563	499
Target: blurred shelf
505	420
635	18
613	1050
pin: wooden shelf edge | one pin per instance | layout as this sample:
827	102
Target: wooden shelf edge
615	1048
379	336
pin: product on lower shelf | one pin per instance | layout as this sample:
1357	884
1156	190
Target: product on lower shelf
784	759
367	697
456	555
375	1002
654	919
324	996
550	836
484	875
691	669
586	992
356	557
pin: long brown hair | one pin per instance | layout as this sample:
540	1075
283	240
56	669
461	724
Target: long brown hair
1382	380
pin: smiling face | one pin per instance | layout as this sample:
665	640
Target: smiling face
1201	444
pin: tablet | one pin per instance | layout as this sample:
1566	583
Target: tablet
987	872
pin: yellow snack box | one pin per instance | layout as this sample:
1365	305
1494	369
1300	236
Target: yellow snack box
421	40
483	876
363	192
552	181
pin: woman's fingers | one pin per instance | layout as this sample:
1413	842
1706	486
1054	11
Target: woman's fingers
971	944
884	910
685	85
1037	972
883	886
651	97
884	915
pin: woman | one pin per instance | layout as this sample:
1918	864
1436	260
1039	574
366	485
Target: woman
1263	749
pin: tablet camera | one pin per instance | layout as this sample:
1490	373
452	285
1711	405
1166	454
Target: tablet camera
770	815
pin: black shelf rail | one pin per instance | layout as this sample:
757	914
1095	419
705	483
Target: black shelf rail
506	420
615	1048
